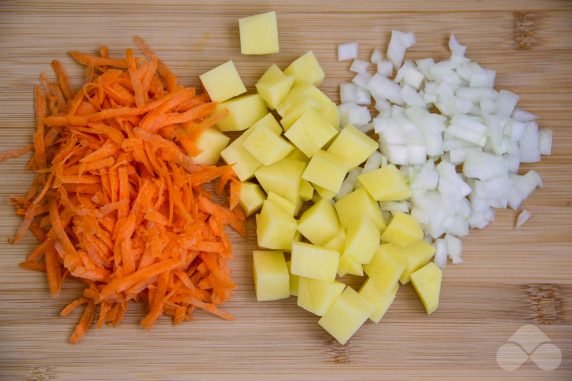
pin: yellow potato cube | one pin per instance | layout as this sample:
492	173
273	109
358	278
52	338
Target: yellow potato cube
316	262
323	193
211	142
427	283
251	197
243	163
349	265
353	146
337	242
348	312
384	269
271	280
358	204
303	97
316	296
326	170
287	206
297	110
306	190
223	82
294	280
259	34
266	122
385	184
310	132
243	111
282	178
306	69
296	154
266	146
362	241
274	85
417	255
275	229
380	298
319	223
403	230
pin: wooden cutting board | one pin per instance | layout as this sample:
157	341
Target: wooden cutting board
510	277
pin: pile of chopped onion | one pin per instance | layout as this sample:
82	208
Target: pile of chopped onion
461	162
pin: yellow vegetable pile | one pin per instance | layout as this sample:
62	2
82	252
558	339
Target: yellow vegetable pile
303	161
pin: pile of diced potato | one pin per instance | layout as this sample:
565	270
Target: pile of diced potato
291	172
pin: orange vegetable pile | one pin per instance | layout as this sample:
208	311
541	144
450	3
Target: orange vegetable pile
117	201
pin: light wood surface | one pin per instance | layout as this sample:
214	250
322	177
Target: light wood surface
509	278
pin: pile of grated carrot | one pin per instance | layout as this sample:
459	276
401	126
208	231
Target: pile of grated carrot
117	201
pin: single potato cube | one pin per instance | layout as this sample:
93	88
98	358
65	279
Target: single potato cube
319	223
337	242
380	298
348	312
259	34
243	111
282	178
297	110
211	142
294	280
310	132
271	280
384	270
243	163
274	85
403	230
286	205
303	97
349	265
427	283
356	205
266	146
326	170
306	190
385	184
316	296
268	122
417	255
316	262
306	69
362	241
323	194
251	197
296	154
353	146
223	82
275	229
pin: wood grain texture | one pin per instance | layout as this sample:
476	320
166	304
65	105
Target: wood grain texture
509	278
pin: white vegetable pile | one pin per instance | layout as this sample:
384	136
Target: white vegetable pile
461	162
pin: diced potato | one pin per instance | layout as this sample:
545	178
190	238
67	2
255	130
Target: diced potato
362	241
384	269
243	111
385	184
427	283
259	34
266	146
286	205
274	85
326	170
282	178
403	230
211	142
275	229
337	242
358	204
303	97
306	190
316	262
271	279
296	154
348	312
310	132
298	109
417	255
267	121
316	296
294	280
243	163
349	265
223	82
353	146
330	112
306	69
251	197
323	193
380	298
319	223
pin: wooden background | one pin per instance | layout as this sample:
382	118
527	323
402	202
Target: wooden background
509	278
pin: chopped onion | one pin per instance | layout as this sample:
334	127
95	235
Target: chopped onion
454	248
385	68
455	47
396	206
545	141
440	253
373	162
348	51
349	182
382	87
398	44
523	216
530	144
359	66
362	79
376	56
521	115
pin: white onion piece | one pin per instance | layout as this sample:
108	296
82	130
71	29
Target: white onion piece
482	78
365	128
382	87
506	103
522	187
359	115
468	128
454	248
440	253
359	66
348	51
521	115
385	68
450	182
522	217
396	206
349	182
348	92
376	56
373	162
545	141
398	44
484	166
455	47
362	79
530	144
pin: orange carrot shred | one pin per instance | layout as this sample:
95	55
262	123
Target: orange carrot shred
117	202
